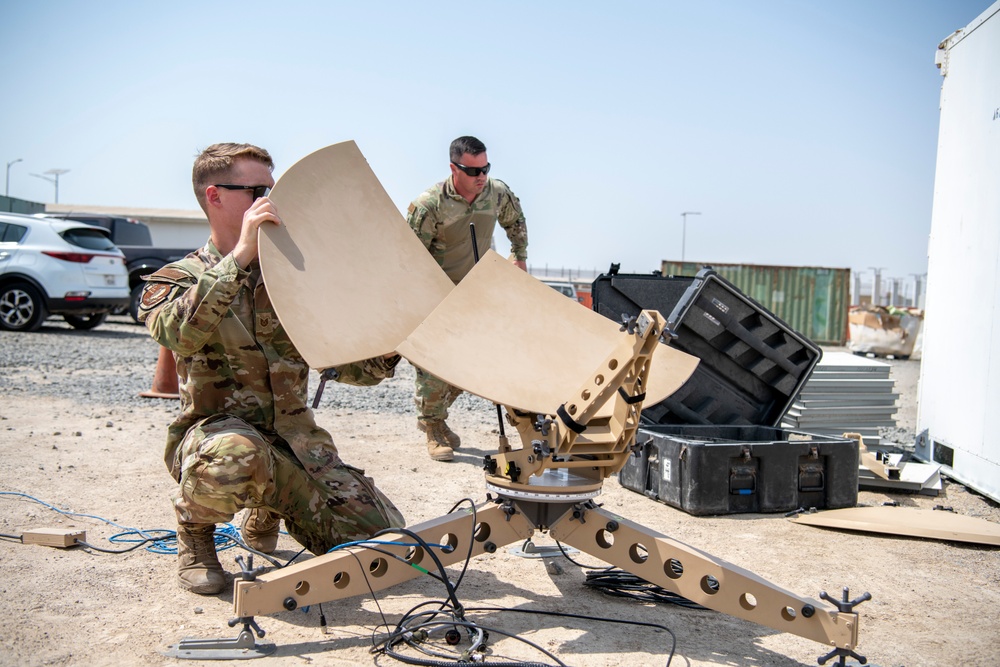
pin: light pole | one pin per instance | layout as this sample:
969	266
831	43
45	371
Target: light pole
876	285
56	173
6	191
918	289
684	225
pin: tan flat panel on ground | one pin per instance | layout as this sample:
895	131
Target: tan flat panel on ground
907	521
347	276
511	339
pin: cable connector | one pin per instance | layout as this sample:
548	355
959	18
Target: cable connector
54	537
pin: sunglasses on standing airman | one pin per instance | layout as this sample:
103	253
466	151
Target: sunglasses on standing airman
473	171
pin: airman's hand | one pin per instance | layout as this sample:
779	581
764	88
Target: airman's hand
261	212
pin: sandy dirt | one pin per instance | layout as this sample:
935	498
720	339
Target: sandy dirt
934	603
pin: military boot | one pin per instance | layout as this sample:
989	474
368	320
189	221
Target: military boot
260	529
450	436
437	442
198	568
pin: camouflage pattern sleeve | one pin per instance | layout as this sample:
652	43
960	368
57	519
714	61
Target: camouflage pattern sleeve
424	223
511	218
182	309
368	372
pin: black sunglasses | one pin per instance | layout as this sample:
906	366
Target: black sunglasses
473	171
258	190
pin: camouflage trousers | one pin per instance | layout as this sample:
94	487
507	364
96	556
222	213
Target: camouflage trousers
227	465
433	397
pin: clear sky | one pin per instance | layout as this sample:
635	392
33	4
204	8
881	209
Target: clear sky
804	132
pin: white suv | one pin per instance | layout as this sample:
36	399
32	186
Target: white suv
59	267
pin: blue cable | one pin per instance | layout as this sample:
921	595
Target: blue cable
225	535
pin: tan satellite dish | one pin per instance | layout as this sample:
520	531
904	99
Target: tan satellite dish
531	357
350	280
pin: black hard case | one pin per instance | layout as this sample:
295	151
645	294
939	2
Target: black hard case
752	364
733	469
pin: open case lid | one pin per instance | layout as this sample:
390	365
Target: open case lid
753	364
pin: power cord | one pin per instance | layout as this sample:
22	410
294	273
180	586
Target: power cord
227	536
600	619
623	584
616	582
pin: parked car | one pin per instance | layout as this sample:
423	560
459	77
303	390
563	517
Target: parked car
134	239
563	288
58	267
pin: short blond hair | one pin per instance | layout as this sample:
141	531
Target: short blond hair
214	163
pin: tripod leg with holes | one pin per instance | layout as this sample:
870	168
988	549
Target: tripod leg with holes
703	578
351	571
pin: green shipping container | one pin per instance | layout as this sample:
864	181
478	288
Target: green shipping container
812	300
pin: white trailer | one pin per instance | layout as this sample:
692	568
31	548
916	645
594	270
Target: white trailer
958	418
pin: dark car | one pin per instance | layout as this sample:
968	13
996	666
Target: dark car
134	239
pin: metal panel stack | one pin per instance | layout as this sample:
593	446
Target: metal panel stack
845	393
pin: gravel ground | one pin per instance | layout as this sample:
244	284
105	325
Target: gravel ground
77	363
58	361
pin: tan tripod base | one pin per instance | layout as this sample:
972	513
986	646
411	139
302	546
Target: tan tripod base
694	574
705	579
357	570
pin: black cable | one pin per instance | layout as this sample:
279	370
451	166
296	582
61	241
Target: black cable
613	581
624	584
240	543
601	619
243	545
394	636
292	559
410	631
386	552
414	635
364	572
398	634
389	650
430	552
488	663
586	567
119	551
472	537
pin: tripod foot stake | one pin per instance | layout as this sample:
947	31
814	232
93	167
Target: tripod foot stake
843	654
242	648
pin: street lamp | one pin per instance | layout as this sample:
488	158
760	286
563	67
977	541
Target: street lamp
876	285
684	217
56	173
6	191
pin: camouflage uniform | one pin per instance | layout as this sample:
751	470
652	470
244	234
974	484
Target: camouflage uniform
440	217
246	436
